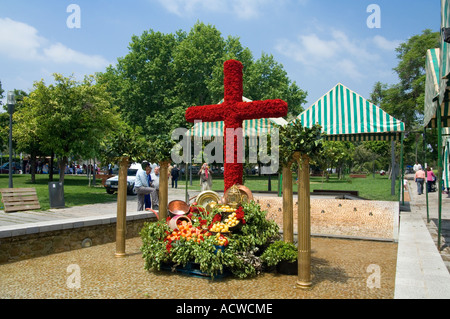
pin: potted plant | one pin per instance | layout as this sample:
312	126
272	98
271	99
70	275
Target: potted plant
283	255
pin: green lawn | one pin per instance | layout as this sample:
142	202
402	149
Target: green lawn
77	191
378	188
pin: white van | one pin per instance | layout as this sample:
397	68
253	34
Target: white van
112	184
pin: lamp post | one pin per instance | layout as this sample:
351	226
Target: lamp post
10	102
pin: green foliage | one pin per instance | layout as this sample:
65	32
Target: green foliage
279	251
124	141
161	148
267	79
163	74
1	92
333	154
67	117
294	137
405	99
153	247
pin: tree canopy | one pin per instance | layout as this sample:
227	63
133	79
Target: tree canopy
65	118
405	100
163	74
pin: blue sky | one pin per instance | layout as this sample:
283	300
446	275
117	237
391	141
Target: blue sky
319	42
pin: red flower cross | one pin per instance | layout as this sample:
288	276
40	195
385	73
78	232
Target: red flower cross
233	112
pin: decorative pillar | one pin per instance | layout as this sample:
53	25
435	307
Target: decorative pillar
163	189
304	222
121	223
288	216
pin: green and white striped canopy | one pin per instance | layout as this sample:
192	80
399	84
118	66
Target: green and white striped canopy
346	116
251	128
444	59
432	89
431	86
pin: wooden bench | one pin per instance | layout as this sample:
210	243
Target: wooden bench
358	175
19	199
335	192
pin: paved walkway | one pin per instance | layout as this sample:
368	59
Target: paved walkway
421	272
29	222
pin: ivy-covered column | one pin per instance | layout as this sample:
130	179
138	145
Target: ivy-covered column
121	223
163	189
288	204
304	222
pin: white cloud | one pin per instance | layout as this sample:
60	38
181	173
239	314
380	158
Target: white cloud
385	44
61	54
333	52
243	9
188	7
21	41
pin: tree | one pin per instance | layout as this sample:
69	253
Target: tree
27	134
333	155
405	100
1	92
267	79
66	118
194	62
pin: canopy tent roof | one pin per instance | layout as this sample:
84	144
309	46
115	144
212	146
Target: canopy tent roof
431	86
444	58
346	116
251	128
432	90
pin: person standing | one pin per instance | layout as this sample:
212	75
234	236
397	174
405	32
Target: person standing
431	178
419	178
175	173
155	183
148	197
416	167
141	184
205	177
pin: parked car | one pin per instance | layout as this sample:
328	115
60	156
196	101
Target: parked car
112	184
4	169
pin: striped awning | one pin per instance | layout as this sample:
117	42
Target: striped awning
251	128
431	87
444	59
432	91
346	116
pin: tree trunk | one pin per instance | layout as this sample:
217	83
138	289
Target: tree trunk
62	168
121	222
288	205
33	167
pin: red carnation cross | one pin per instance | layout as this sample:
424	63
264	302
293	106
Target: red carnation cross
233	112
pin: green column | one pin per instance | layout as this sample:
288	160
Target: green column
439	128
402	171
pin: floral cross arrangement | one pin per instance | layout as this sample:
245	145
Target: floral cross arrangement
233	111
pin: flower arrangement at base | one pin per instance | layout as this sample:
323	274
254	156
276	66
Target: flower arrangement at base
193	243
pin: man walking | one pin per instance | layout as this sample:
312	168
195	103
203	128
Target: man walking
141	184
419	178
